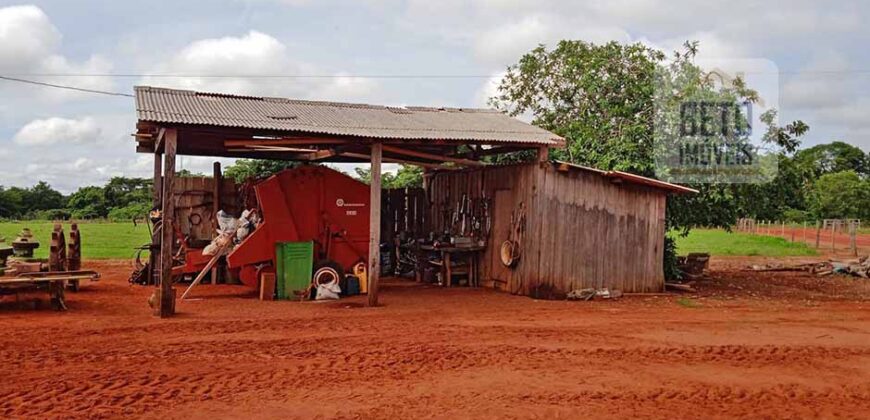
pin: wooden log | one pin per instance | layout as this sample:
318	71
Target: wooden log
374	273
166	302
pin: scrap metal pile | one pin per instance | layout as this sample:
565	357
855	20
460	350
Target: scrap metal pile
857	267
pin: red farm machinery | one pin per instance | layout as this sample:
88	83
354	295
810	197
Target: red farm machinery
313	204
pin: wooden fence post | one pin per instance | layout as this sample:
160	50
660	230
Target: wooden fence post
818	233
853	238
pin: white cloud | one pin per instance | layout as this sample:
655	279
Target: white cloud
248	64
28	47
55	130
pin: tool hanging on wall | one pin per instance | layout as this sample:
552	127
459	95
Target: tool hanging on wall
511	249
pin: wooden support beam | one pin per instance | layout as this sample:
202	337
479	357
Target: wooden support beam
262	148
430	156
161	135
374	272
321	154
543	154
153	257
302	141
166	300
394	160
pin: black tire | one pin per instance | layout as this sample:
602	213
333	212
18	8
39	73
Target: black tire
327	270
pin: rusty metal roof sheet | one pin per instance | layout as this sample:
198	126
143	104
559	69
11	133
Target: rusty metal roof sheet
173	106
630	178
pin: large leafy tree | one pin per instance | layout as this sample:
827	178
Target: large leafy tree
840	195
88	203
599	97
42	197
834	157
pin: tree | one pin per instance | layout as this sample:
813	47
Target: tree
408	176
42	197
245	169
598	97
88	203
12	202
834	157
841	195
122	191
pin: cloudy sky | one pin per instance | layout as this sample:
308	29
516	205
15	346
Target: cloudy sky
454	50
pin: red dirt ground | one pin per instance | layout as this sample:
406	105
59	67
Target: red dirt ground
748	344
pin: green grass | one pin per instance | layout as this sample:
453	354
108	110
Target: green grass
720	242
688	303
100	240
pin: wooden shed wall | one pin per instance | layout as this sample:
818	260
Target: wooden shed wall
194	195
582	230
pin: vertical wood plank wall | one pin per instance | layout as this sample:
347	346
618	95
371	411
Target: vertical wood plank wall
582	230
194	195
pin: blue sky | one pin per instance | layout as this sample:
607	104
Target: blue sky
71	140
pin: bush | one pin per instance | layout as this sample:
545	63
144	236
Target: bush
51	214
670	259
129	212
795	216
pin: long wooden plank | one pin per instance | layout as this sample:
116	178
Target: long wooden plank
430	156
395	160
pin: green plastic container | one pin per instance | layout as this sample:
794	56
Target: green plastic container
295	262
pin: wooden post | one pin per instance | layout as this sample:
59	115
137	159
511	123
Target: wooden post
833	235
154	250
374	273
215	207
805	232
543	154
782	229
791	228
853	238
818	233
166	302
158	179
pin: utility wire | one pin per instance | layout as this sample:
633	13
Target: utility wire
75	88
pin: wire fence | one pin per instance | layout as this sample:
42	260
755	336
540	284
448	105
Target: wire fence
837	236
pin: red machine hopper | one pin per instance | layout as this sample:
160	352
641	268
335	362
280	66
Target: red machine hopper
308	203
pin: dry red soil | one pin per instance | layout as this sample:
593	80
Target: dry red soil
748	344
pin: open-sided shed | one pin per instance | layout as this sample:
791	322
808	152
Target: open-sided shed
584	227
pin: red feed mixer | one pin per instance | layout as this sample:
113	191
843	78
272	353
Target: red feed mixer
308	203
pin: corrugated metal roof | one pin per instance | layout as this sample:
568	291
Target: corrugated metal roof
173	106
631	178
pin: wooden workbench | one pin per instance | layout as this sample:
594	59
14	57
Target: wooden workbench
53	282
446	257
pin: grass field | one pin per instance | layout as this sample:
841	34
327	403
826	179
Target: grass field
719	242
99	240
117	240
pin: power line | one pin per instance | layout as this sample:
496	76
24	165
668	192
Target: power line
366	76
262	76
75	88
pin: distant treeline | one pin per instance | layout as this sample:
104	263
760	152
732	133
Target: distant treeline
120	199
